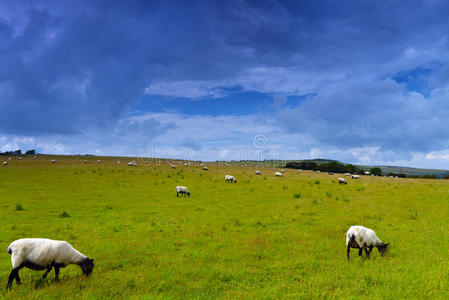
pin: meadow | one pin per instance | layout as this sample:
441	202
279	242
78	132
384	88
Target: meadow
262	238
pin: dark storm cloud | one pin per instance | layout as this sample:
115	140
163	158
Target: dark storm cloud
74	66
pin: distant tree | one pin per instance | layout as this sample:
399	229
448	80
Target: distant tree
304	165
30	152
430	176
376	171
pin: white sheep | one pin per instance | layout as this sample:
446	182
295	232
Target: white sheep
5	163
98	161
173	166
342	181
347	174
205	168
278	174
230	178
85	161
283	171
118	162
132	163
53	161
363	238
355	177
258	173
41	254
182	190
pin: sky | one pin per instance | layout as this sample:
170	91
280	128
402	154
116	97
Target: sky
363	82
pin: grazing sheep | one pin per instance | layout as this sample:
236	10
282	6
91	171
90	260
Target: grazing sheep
283	171
53	161
205	168
118	162
132	163
342	181
347	174
98	161
363	238
229	178
173	166
85	161
19	158
355	177
367	173
5	163
258	173
182	190
41	254
278	174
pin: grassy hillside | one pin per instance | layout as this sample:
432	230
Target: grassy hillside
264	237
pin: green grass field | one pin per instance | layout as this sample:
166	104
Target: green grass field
262	238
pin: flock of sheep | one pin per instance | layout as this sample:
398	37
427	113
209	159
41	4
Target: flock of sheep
46	254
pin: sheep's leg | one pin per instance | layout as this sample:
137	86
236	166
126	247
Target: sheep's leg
48	271
366	252
369	252
348	251
56	272
14	275
360	252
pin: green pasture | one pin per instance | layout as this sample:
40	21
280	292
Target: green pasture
262	238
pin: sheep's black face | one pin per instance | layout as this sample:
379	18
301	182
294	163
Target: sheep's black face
87	266
383	249
188	194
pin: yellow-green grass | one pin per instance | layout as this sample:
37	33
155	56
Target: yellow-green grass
264	237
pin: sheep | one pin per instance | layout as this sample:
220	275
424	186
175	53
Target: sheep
283	171
41	254
53	161
5	163
132	163
205	168
355	177
118	162
258	172
347	174
85	161
342	181
173	166
229	178
278	174
98	161
363	238
182	190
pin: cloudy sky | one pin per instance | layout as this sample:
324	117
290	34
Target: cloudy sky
363	82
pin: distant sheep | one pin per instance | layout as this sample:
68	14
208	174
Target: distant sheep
205	168
132	163
363	238
173	166
41	254
342	181
85	161
278	174
118	162
98	161
258	173
5	163
347	174
182	190
229	178
283	171
355	177
53	161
